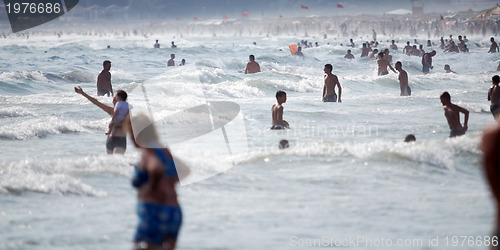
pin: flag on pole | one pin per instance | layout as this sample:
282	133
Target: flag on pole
244	14
304	7
340	5
225	17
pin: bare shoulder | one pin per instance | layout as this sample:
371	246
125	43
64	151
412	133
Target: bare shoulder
335	79
489	138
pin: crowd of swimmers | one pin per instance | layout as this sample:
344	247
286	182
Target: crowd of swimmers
171	61
156	174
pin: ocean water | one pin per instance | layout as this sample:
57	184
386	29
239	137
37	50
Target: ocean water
346	175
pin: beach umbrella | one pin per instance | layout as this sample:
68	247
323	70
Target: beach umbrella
490	12
487	14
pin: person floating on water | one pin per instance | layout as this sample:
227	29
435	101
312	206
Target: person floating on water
494	46
349	55
427	62
277	112
116	142
331	81
156	45
173	45
452	114
383	64
403	80
491	161
171	61
447	68
155	177
120	111
104	80
252	66
494	97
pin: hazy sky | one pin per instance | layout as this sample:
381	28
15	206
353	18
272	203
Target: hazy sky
292	7
210	9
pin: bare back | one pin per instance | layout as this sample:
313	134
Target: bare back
403	82
252	67
494	94
453	117
382	65
160	189
104	80
493	47
330	82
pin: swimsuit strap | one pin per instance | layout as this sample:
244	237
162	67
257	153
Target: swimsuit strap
168	163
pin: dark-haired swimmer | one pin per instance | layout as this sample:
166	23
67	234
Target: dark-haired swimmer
331	81
117	138
427	62
252	66
383	64
494	97
394	46
491	162
277	112
447	68
452	114
155	177
283	144
403	80
349	55
410	138
365	50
